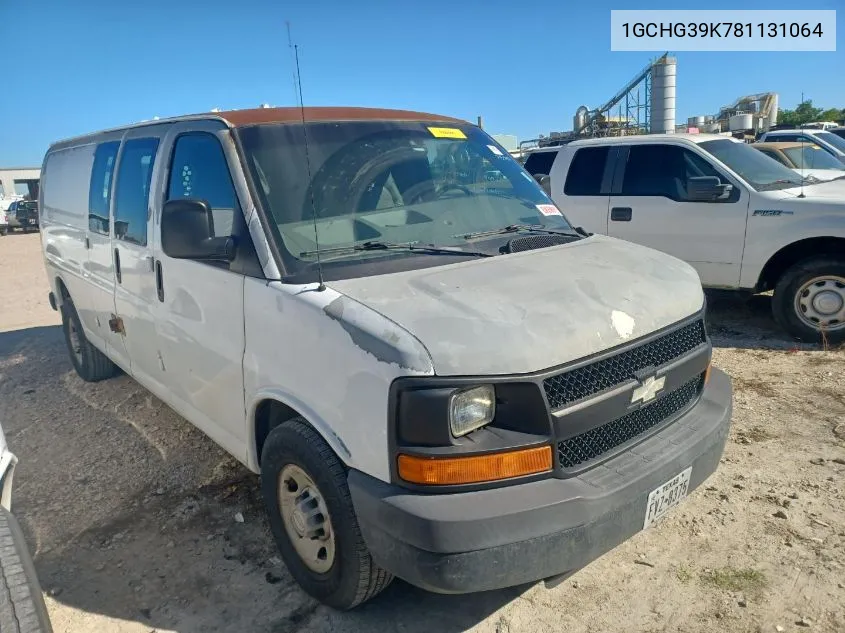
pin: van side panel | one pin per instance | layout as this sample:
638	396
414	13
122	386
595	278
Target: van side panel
300	352
64	227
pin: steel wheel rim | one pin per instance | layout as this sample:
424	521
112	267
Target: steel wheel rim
820	303
306	519
75	340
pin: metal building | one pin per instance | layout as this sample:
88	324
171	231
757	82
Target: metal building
17	182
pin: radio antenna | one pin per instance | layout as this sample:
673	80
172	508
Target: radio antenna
322	285
801	138
293	63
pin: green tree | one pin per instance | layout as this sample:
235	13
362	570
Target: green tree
806	112
832	114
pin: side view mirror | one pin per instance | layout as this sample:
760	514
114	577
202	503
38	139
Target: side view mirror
545	181
707	189
187	232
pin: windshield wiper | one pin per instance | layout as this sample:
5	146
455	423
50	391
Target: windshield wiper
514	228
775	184
376	245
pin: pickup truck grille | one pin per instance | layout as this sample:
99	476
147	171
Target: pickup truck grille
587	446
569	386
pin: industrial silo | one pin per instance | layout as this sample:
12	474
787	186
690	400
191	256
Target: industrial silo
663	75
579	122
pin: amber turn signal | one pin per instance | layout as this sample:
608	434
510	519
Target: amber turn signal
431	471
707	373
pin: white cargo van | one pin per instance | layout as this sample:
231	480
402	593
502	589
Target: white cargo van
744	221
435	375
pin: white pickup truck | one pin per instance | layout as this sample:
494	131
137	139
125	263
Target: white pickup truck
744	221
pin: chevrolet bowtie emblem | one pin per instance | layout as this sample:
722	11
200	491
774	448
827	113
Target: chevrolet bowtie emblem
648	390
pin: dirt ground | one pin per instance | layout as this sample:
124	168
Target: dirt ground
130	512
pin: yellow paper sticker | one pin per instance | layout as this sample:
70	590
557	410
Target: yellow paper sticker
446	132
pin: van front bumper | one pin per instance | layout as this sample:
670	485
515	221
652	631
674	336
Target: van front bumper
490	539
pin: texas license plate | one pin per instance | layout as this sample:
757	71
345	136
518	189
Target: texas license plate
665	497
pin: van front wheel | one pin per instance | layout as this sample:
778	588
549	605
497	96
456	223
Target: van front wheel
809	300
89	362
313	520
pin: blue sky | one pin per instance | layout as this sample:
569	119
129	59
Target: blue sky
525	66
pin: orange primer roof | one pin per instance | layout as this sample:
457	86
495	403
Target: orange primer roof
256	116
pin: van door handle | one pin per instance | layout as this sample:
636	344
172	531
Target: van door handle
159	282
87	243
621	214
117	265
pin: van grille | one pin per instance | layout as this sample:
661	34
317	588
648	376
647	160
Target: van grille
582	448
582	382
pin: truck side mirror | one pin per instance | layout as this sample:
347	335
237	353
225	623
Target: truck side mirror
707	189
187	232
545	181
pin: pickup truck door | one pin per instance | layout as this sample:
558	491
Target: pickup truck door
581	185
199	305
649	206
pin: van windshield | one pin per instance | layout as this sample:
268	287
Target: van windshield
757	169
397	182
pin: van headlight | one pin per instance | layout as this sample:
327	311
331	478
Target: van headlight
471	409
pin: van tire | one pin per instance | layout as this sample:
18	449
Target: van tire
22	608
89	362
353	577
786	297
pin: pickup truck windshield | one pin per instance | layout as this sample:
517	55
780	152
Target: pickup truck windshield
757	169
397	182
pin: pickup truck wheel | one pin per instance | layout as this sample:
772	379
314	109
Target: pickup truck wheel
22	608
809	300
89	362
313	520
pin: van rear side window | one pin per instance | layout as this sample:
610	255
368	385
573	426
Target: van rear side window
132	195
586	172
99	194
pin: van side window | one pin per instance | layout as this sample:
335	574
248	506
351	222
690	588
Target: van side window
99	192
134	175
586	172
540	163
198	170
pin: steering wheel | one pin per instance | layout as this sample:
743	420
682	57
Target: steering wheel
414	192
453	185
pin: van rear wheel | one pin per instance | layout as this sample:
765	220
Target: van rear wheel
89	362
809	300
313	520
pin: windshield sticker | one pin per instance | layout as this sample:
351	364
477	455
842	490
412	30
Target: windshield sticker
495	150
548	209
446	132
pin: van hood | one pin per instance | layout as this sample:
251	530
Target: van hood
524	312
